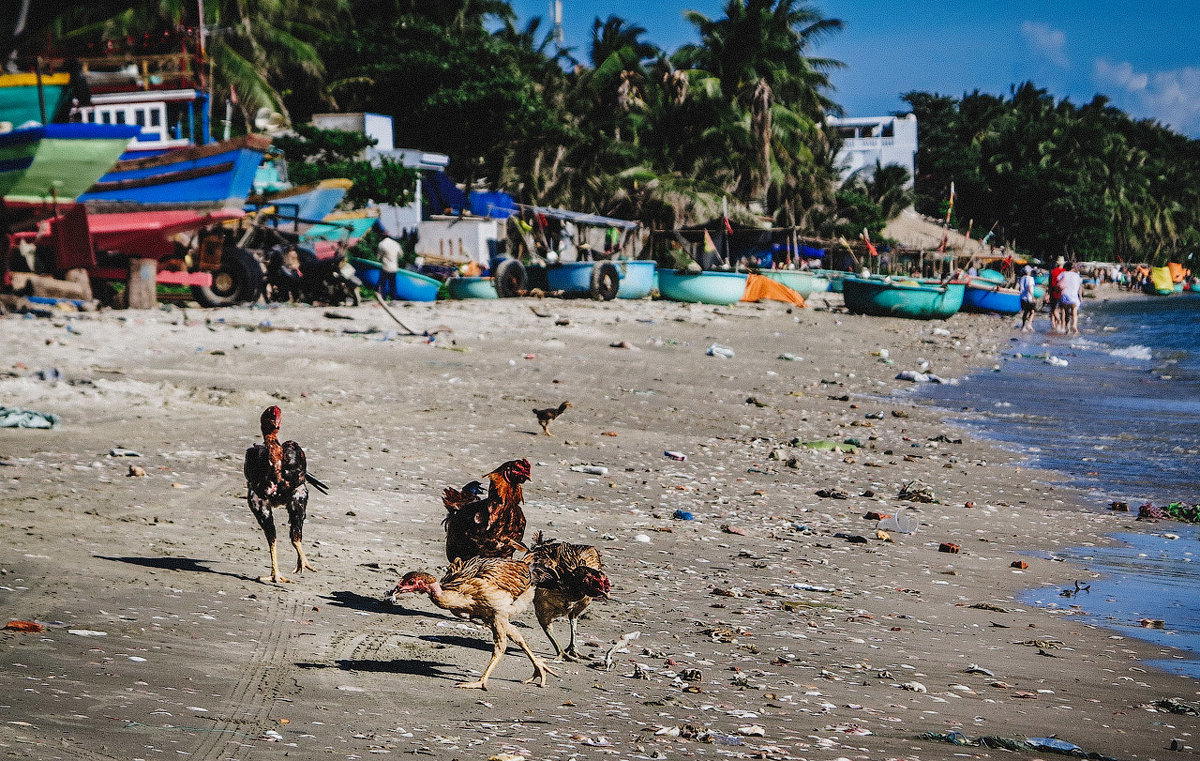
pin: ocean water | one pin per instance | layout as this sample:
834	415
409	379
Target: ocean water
1116	409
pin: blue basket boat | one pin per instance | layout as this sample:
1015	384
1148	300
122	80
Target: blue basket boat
985	295
404	285
720	288
637	279
910	299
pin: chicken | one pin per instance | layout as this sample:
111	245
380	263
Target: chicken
490	527
569	576
492	590
547	416
277	475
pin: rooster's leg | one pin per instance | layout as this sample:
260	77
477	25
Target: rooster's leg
275	577
500	644
540	669
558	651
571	654
546	429
297	510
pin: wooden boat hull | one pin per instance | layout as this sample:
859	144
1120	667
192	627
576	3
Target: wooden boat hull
19	96
57	162
803	283
472	288
217	175
916	302
721	288
988	296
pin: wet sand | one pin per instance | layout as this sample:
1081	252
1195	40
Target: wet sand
756	616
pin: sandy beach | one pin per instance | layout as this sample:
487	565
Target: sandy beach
775	624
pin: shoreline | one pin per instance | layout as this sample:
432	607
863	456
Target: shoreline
391	421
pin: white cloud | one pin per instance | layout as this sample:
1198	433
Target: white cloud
1172	97
1047	41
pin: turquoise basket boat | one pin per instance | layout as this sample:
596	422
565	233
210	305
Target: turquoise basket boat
917	301
472	288
803	283
834	277
405	285
720	288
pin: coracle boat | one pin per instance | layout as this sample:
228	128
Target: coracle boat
800	281
603	280
835	278
472	288
406	285
985	295
721	288
907	298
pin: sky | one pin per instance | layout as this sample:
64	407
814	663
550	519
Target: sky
1144	56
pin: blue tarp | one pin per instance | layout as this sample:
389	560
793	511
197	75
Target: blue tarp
494	205
443	195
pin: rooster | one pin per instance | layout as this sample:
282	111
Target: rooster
569	576
489	589
277	475
492	526
547	416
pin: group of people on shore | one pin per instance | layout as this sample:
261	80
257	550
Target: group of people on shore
1064	296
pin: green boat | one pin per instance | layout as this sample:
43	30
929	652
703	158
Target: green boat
57	162
833	277
916	301
801	281
720	288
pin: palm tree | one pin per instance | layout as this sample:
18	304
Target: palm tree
759	52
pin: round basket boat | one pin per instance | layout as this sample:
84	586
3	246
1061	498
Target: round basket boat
803	283
720	288
472	288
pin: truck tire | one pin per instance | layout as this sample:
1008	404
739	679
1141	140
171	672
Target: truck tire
239	280
510	279
606	280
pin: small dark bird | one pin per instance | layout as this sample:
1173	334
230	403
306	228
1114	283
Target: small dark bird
568	576
492	526
546	416
277	476
492	590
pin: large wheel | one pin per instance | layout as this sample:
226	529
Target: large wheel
510	279
606	280
239	280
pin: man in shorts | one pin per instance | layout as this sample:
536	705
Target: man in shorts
1071	295
1028	300
1054	294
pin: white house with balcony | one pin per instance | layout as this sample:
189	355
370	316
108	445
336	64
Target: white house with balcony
871	140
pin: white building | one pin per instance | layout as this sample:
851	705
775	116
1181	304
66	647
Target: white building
876	139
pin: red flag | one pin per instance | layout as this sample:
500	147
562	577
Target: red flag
728	227
233	95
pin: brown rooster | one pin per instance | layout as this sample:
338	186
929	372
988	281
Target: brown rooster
547	416
489	589
277	475
569	576
491	527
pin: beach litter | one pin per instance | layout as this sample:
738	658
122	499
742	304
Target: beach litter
11	417
717	350
594	470
916	377
1048	744
31	627
915	491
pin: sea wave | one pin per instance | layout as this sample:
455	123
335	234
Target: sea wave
1137	351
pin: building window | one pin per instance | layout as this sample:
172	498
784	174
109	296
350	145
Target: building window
156	118
120	117
139	116
105	117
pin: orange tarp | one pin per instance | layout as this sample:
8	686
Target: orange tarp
759	287
1178	273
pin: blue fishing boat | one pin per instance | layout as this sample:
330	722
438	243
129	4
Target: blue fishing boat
309	202
985	295
834	277
905	298
472	288
637	279
55	163
217	175
603	280
802	282
720	288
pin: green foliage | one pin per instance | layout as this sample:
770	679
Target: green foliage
1086	182
321	154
